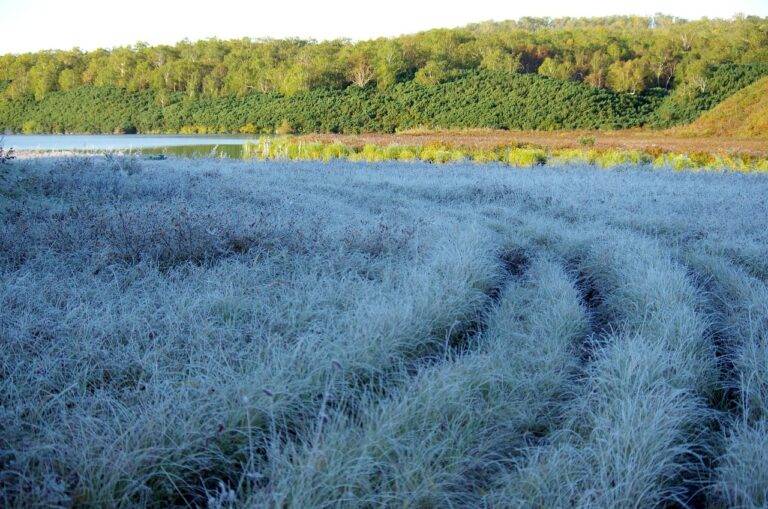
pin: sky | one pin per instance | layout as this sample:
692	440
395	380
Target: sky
31	25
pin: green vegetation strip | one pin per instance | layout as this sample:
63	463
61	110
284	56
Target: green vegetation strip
488	99
288	148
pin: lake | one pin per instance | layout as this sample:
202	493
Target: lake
180	145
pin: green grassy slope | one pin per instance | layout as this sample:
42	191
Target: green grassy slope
743	115
687	103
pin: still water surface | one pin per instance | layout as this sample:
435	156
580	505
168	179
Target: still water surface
191	146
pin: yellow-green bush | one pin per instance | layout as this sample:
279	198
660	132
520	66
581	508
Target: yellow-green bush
526	157
335	151
486	156
408	154
574	156
249	128
612	158
439	154
675	161
370	153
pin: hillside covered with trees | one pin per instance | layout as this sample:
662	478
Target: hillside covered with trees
531	73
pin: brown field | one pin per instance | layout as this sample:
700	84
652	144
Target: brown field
634	139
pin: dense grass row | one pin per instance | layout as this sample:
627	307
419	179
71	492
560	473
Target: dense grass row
741	304
253	334
282	148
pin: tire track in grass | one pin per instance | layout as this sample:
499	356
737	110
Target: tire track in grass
221	429
439	439
416	321
633	436
741	308
731	275
704	261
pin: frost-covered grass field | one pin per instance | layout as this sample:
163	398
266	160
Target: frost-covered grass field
217	333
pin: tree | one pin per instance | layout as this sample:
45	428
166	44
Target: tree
560	70
696	74
68	80
390	64
499	59
43	76
142	77
120	64
433	73
213	81
598	70
620	52
629	76
663	62
359	63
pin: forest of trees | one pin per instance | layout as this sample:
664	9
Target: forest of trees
626	56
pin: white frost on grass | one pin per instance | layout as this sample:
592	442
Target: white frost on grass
172	329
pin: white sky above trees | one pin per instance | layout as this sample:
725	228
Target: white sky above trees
30	25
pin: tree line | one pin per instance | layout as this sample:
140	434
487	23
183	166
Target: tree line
533	73
625	54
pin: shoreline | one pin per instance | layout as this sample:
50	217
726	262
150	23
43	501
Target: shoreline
629	139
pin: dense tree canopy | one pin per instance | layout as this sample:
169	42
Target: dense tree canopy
626	55
621	53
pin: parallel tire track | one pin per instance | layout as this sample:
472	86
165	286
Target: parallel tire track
439	440
741	304
634	434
